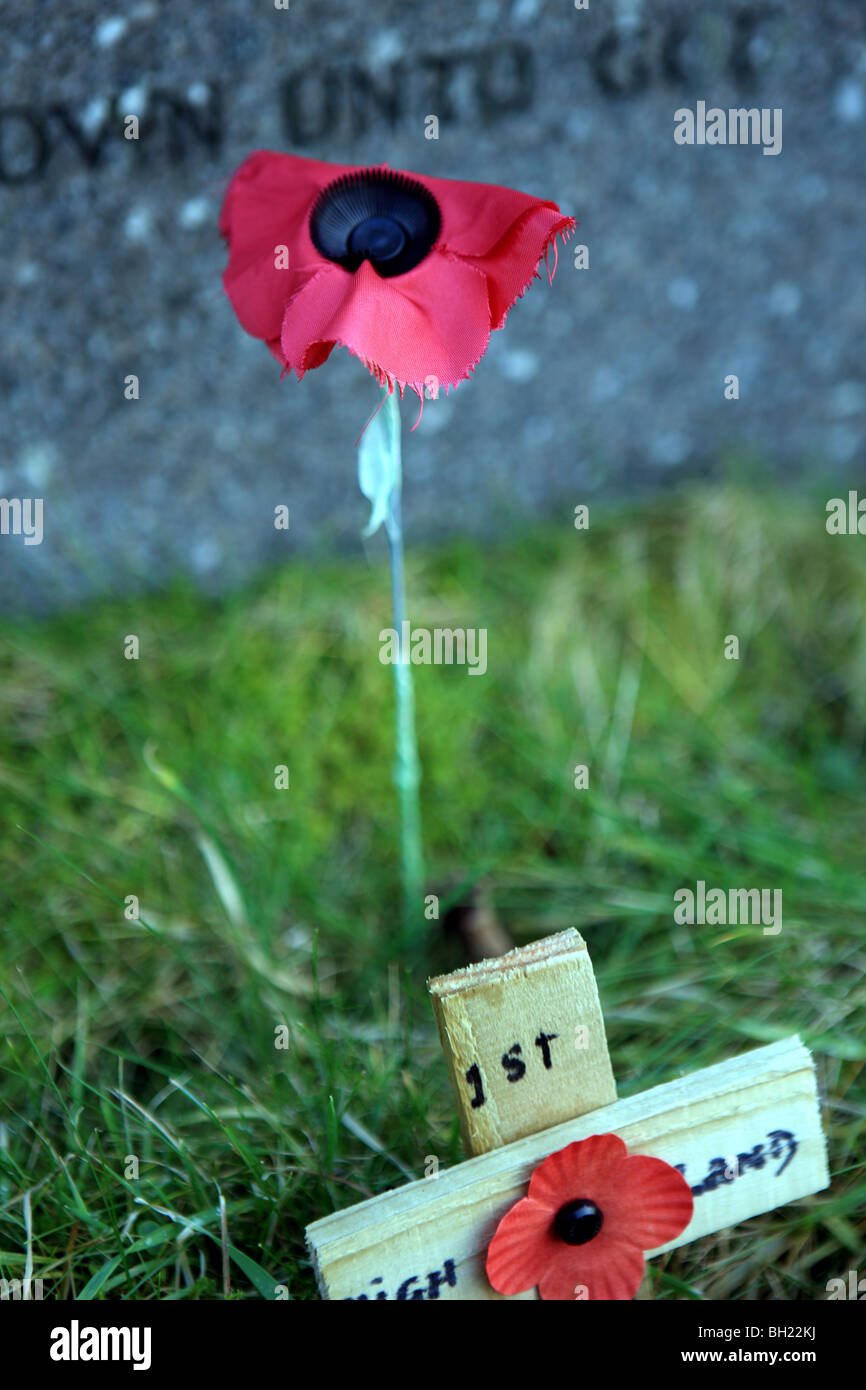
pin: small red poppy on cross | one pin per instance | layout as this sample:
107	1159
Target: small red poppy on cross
410	273
590	1213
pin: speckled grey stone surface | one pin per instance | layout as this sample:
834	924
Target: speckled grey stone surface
704	261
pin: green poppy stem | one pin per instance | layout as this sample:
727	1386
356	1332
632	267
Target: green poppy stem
407	767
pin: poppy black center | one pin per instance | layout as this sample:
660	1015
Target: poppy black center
375	215
377	239
578	1221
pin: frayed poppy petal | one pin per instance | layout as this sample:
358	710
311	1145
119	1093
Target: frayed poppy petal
476	216
610	1274
266	208
513	263
588	1168
259	293
432	321
268	203
522	1248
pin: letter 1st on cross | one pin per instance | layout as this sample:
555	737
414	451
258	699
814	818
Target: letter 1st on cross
524	1040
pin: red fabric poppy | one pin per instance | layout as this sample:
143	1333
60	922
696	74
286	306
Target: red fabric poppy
409	273
591	1212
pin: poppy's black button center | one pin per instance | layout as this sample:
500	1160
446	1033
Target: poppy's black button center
375	215
377	239
578	1221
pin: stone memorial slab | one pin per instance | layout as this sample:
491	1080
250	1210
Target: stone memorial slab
711	305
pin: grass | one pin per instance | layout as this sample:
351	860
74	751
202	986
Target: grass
155	1140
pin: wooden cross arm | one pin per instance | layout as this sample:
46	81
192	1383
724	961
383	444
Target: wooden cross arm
746	1133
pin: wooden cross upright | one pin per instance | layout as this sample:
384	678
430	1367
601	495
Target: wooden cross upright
525	1045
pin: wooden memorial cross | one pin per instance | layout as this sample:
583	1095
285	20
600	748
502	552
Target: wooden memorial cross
524	1040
